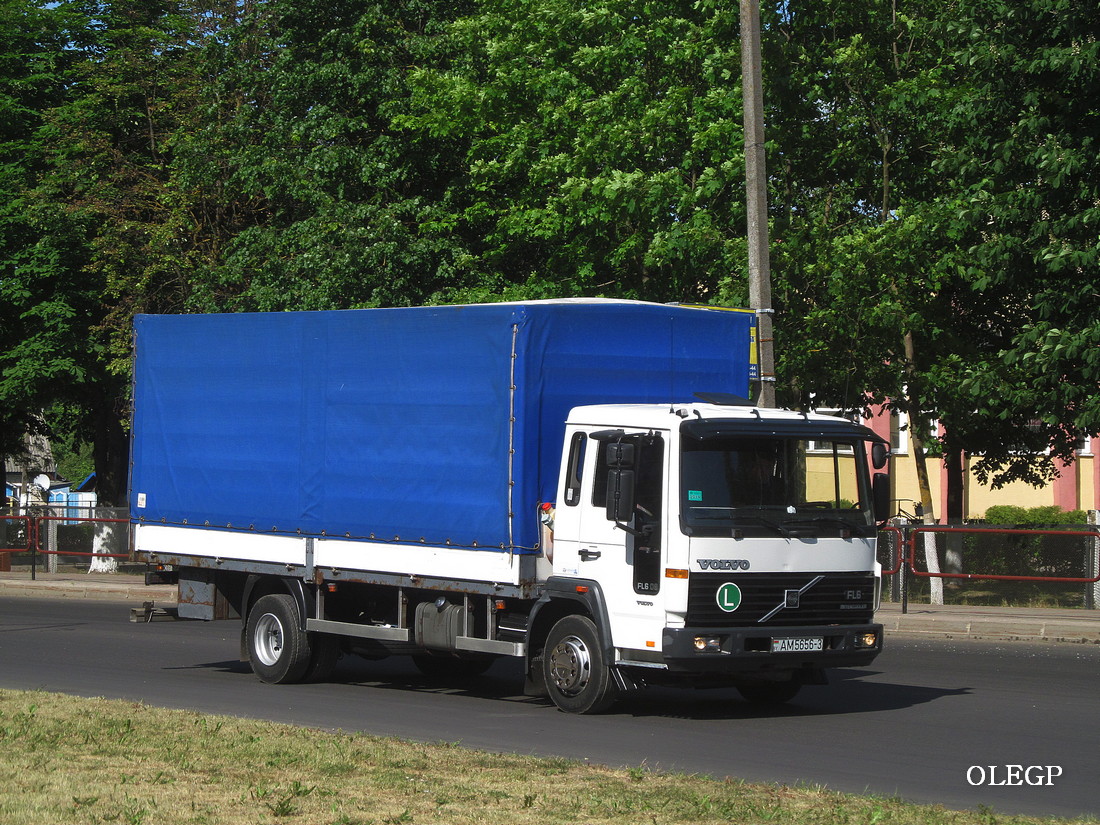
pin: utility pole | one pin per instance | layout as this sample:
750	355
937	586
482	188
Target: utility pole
756	182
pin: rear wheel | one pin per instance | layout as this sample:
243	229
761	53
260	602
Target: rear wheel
577	677
278	649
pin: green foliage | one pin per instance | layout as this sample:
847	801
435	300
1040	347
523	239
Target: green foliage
1045	556
33	67
326	205
1020	148
853	249
97	234
601	145
933	173
1031	516
73	456
943	254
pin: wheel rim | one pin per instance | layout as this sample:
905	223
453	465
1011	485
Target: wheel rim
570	665
268	639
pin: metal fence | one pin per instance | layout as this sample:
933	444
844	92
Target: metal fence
986	565
1057	566
60	537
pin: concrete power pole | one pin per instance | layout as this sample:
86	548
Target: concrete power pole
756	183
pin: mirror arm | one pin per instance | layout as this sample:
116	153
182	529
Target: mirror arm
647	529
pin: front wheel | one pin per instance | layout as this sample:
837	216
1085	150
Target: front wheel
578	679
278	649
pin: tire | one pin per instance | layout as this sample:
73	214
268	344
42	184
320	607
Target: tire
769	694
577	678
278	650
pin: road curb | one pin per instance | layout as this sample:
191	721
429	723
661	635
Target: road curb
1002	624
75	588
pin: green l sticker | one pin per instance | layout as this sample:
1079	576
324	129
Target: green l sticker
728	597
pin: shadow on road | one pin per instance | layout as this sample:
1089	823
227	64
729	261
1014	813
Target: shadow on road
849	691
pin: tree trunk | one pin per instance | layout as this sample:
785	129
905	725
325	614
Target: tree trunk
108	539
111	453
956	512
917	435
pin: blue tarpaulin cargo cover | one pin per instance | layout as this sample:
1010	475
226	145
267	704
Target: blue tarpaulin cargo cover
434	425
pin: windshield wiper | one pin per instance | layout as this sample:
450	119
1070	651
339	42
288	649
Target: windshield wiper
765	522
830	521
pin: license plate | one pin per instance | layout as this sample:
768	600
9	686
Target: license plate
798	645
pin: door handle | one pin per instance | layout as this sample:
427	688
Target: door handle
589	555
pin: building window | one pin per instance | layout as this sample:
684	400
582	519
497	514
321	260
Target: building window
827	446
899	433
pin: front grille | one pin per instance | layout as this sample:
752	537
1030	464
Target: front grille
838	598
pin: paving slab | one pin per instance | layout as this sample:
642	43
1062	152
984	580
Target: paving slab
979	622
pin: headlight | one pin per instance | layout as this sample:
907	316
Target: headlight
708	644
867	640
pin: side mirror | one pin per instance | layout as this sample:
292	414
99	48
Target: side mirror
880	496
620	454
879	455
620	495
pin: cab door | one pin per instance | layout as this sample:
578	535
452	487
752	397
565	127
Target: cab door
623	557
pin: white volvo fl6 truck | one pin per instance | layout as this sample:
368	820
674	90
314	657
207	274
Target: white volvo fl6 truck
576	484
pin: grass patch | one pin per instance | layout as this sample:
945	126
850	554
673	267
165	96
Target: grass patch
68	761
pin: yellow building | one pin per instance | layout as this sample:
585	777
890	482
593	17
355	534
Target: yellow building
1077	488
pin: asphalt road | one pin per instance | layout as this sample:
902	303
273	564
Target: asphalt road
926	720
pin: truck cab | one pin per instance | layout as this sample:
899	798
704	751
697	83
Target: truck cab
715	545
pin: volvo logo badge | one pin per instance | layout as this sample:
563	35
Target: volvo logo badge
791	600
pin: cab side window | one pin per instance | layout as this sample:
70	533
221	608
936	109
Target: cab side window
574	469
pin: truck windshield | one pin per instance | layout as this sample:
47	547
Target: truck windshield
774	486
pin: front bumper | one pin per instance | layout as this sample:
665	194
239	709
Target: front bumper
747	649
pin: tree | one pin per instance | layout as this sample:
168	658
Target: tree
933	188
33	64
1021	153
861	306
95	238
937	221
603	146
329	206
